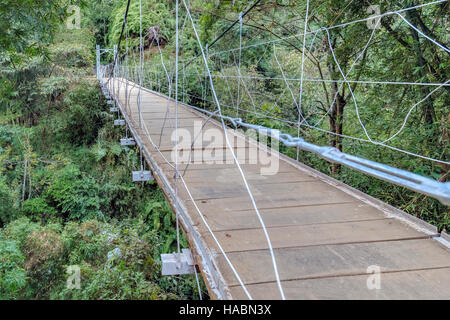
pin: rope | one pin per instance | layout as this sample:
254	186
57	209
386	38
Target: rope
345	80
121	32
431	84
409	113
234	156
239	67
177	49
289	87
140	67
198	284
245	86
225	32
422	34
301	77
169	82
228	86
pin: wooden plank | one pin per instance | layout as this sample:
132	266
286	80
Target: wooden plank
299	216
312	235
182	114
161	116
193	129
275	192
170	122
232	176
312	193
185	145
423	284
246	168
334	260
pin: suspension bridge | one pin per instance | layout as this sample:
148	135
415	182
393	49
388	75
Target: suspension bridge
262	225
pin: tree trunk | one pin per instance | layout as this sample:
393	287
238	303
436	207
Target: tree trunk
428	108
336	119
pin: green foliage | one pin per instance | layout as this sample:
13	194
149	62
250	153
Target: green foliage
72	55
74	194
43	250
27	26
73	48
81	207
97	18
115	261
66	195
12	275
77	175
38	208
160	218
116	283
7	209
53	86
154	13
84	107
75	189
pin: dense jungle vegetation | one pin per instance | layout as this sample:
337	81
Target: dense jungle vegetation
66	197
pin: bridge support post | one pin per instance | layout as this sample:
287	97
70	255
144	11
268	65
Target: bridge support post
177	263
127	142
115	65
97	50
142	176
119	122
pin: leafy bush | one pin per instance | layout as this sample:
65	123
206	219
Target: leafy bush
75	195
113	284
53	86
116	262
38	209
84	107
12	274
153	13
72	54
5	136
88	242
81	206
43	251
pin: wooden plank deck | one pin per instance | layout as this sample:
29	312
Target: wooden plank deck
325	234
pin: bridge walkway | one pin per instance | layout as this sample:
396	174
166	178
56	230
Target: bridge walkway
327	237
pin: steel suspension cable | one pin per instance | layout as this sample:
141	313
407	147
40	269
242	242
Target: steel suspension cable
235	158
